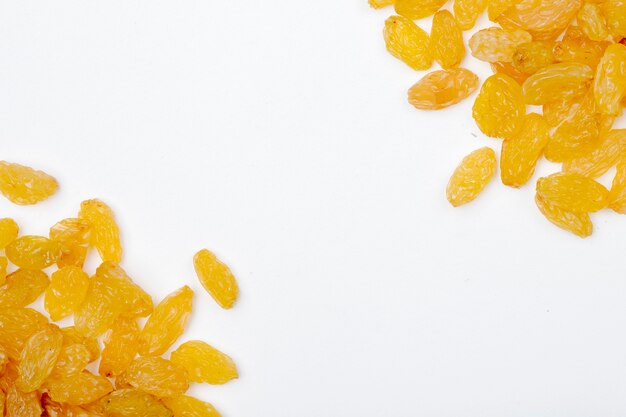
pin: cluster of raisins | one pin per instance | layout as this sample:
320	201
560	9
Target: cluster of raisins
567	56
53	371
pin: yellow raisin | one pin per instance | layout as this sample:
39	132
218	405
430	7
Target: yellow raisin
74	236
497	45
158	376
24	185
216	277
120	347
447	40
418	9
134	403
495	8
577	47
573	192
471	176
468	11
520	153
8	231
592	22
610	82
38	358
33	252
185	406
617	196
105	234
557	82
20	404
408	42
499	108
442	88
4	263
578	223
102	305
508	69
72	360
615	14
544	19
204	363
166	323
138	303
22	287
82	388
71	336
67	291
603	157
379	4
16	326
533	56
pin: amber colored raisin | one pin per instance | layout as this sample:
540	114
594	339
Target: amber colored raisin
33	252
16	326
38	358
24	185
468	11
533	56
471	176
67	291
603	157
592	22
544	19
185	406
578	223
120	347
216	277
497	45
408	42
105	234
557	82
8	231
22	287
520	153
204	363
379	4
74	236
447	40
134	403
82	388
418	9
442	88
499	108
166	323
157	376
610	82
573	192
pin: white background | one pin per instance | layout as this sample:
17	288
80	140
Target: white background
278	135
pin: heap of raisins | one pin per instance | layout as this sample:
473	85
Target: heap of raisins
53	371
567	56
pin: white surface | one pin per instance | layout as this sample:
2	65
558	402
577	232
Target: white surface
277	134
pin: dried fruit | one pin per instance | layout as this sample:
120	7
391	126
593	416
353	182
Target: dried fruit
418	9
577	47
617	196
67	291
544	19
610	82
408	42
468	11
184	406
592	22
557	82
499	109
33	252
615	14
379	4
38	358
157	376
103	304
133	403
74	236
8	231
166	323
105	234
497	45
573	192
603	157
138	303
19	404
82	388
533	56
442	88
495	8
204	363
507	68
16	326
447	40
471	176
520	153
72	360
216	277
120	347
24	185
575	222
22	287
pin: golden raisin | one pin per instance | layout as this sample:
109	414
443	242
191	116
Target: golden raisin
105	234
204	363
557	82
442	88
74	236
67	291
447	40
603	157
497	45
216	277
578	223
33	252
157	376
468	11
471	176
24	185
185	406
408	42
499	108
8	231
38	358
573	192
120	347
418	9
22	287
610	82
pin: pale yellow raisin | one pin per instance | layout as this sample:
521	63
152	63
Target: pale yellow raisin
603	157
82	388
379	4
33	252
592	22
610	82
8	231
418	9
204	363
442	88
497	45
74	236
573	192
468	11
38	358
185	406
543	19
157	376
447	40
120	347
67	291
471	176
22	287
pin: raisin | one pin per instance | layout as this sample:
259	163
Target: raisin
471	176
408	42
